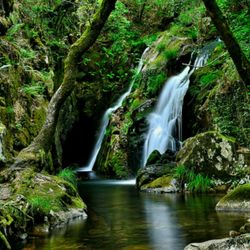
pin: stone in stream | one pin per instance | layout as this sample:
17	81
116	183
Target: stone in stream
236	200
241	242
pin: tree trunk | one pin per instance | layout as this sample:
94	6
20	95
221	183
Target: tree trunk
41	145
240	60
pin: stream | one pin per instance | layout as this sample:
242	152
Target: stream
120	218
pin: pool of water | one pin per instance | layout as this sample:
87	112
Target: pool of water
120	218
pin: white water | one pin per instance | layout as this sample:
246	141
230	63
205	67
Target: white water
165	123
105	119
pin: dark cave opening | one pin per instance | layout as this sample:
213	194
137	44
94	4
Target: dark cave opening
189	119
79	143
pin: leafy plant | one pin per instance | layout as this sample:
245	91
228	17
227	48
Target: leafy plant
170	53
41	205
195	182
10	110
13	30
199	183
161	47
28	54
209	78
68	175
155	82
34	90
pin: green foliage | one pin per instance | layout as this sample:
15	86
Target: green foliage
126	125
34	90
135	104
10	110
68	175
237	14
199	183
41	205
195	182
186	18
161	47
116	163
28	54
180	172
15	28
155	82
149	39
209	78
170	53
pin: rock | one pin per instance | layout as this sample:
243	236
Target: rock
233	233
29	202
154	157
214	155
163	184
151	173
245	229
236	200
241	242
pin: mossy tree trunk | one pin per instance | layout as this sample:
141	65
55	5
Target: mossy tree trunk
41	145
240	60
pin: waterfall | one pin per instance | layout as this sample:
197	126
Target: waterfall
165	123
105	118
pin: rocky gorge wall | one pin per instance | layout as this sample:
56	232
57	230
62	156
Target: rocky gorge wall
216	106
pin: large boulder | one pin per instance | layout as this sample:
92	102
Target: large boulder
236	200
216	156
30	199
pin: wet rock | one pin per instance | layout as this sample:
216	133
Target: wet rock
241	242
163	184
245	228
236	200
214	155
150	173
154	157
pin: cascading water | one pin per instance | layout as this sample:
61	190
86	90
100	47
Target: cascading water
105	119
165	123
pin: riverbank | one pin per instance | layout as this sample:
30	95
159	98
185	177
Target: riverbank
35	202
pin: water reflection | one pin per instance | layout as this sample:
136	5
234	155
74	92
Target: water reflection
165	233
121	218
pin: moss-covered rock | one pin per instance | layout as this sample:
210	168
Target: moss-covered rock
163	184
218	99
147	175
236	200
214	155
35	198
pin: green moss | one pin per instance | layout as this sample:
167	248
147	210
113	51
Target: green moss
240	193
209	78
163	181
169	54
154	82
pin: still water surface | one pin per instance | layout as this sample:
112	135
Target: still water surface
120	218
